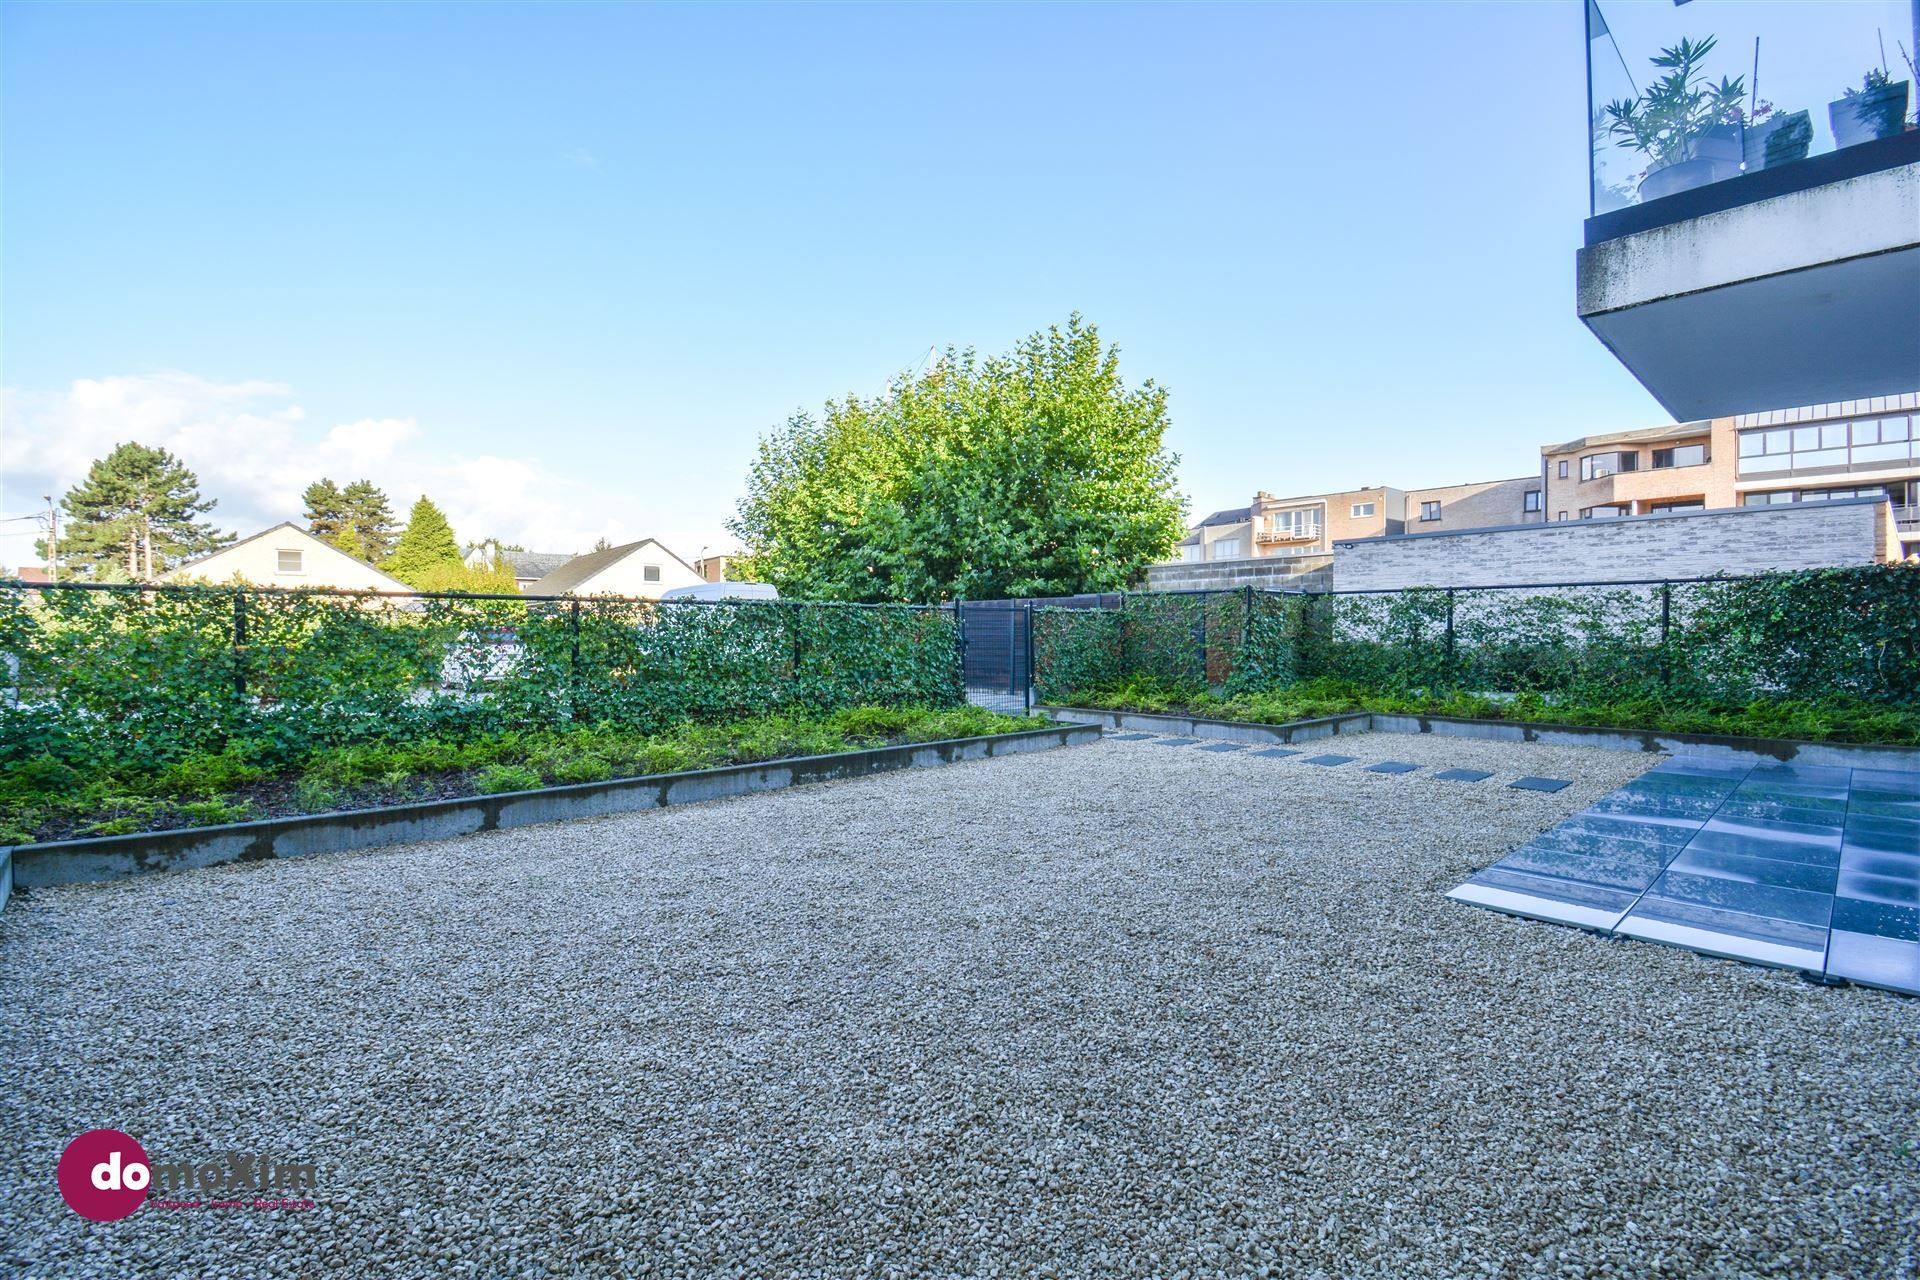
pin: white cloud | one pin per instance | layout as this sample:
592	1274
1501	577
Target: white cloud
254	450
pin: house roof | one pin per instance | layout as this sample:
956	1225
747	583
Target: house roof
579	569
535	564
1678	430
1232	515
290	527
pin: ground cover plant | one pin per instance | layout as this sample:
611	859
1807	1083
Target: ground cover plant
42	799
1820	655
1829	720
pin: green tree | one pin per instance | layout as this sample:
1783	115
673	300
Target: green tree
1035	473
370	516
326	510
427	546
497	577
135	514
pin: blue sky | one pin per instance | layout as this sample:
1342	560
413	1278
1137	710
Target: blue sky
560	266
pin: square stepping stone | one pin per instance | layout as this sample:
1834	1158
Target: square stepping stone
1276	753
1392	766
1329	760
1174	742
1463	775
1128	737
1223	746
1540	784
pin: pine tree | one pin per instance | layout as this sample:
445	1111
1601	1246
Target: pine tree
134	514
427	546
326	510
371	517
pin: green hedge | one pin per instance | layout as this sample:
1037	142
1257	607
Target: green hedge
1830	633
144	677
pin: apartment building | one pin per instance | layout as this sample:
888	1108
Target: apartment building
1309	525
1863	448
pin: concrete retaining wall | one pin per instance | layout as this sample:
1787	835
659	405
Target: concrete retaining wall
1263	573
1843	754
1224	730
111	857
1697	544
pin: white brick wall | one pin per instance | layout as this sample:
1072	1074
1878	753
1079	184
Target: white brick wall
1696	544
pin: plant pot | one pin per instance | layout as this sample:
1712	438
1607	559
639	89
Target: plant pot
1877	113
1778	140
1716	157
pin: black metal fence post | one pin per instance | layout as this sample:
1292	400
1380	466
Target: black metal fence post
573	660
1666	631
240	647
1027	693
960	640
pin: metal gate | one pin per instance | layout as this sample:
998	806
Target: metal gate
996	639
996	636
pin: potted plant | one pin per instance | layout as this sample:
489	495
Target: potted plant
1688	128
1876	109
1772	138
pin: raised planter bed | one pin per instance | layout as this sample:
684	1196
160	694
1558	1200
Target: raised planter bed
1844	754
111	857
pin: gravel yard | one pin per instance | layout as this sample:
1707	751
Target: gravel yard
1122	1009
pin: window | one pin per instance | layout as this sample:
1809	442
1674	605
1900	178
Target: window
1598	465
1561	516
650	573
1602	513
1227	549
1361	510
289	562
1681	455
1531	501
1294	524
1430	511
1869	443
1684	504
1193	551
1563	476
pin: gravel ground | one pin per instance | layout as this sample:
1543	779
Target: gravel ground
1111	1010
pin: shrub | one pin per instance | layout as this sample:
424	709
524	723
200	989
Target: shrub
496	778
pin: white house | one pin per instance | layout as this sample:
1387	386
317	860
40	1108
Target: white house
644	569
286	556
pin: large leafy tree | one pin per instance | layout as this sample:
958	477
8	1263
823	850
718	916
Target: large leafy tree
370	518
427	546
1035	473
134	517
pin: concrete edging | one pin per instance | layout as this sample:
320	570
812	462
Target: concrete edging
1846	755
112	857
1842	754
1225	730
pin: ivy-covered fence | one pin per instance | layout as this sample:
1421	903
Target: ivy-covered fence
149	675
1851	633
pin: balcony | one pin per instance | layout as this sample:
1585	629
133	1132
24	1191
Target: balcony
1754	237
1288	534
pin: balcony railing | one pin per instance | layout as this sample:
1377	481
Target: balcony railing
1288	533
1681	96
1907	519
